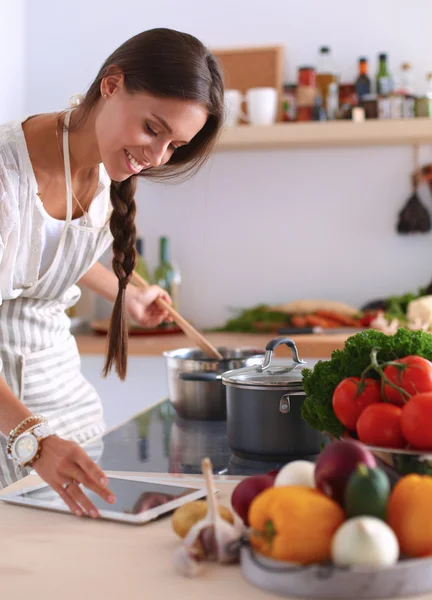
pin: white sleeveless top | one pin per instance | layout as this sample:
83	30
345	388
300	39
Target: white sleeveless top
53	228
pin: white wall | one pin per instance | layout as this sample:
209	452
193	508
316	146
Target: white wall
261	226
12	58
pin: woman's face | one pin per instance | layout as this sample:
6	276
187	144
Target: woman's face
138	131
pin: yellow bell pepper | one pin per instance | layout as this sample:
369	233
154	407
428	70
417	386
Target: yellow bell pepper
294	524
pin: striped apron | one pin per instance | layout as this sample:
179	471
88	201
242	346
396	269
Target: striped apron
41	363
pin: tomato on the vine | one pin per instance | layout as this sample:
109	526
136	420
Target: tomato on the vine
351	397
416	421
414	376
380	425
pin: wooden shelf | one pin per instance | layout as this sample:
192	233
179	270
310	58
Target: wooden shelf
327	134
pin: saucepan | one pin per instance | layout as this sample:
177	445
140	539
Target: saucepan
194	381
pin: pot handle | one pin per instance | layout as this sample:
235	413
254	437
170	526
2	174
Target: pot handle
199	376
285	404
271	347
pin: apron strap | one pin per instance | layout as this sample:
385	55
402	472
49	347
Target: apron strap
67	167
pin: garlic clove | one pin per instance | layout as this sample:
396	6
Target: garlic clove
186	562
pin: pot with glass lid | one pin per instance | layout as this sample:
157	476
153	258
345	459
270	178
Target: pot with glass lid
264	401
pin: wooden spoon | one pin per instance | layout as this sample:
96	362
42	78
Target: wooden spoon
188	329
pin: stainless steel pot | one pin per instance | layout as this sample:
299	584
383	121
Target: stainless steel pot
264	409
194	381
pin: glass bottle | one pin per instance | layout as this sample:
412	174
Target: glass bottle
318	110
404	92
333	101
363	83
326	73
423	103
429	93
406	85
141	267
383	78
166	275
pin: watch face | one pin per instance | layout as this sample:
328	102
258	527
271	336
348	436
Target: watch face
26	447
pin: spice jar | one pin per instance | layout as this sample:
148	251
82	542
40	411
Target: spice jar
347	99
306	93
289	102
370	105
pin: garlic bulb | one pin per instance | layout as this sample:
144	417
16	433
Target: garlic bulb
365	541
298	472
216	536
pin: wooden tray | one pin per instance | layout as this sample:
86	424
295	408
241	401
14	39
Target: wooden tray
101	328
253	66
407	578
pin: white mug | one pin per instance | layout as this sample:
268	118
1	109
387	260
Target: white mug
232	101
262	105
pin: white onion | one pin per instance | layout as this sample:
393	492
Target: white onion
298	472
365	541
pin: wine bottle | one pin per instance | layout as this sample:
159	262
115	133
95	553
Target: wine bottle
141	267
166	275
383	80
362	84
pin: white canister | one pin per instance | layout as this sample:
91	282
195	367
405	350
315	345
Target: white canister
262	104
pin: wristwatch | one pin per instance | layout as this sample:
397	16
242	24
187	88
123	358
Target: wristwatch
26	448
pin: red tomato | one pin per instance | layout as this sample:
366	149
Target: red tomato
416	421
380	425
349	400
415	377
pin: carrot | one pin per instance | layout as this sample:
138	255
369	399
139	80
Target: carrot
339	318
298	321
316	321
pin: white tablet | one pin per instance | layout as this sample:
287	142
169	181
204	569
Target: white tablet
139	500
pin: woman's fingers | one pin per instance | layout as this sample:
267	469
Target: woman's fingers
92	476
89	483
77	510
77	495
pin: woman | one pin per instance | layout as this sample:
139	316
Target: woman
67	184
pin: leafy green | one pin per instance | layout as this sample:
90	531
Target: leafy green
257	319
397	306
320	382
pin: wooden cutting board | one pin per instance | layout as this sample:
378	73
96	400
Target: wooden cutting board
102	327
253	66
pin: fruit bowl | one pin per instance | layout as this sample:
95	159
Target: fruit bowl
403	462
399	462
406	578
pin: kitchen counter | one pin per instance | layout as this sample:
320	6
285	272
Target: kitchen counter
50	555
312	346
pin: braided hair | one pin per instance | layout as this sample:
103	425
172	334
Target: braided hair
165	63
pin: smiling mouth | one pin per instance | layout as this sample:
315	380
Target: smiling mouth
136	166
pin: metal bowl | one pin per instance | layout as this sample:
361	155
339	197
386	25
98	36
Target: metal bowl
403	462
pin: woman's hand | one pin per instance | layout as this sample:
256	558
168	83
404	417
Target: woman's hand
142	307
63	465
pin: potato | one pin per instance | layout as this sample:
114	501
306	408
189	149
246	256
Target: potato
185	517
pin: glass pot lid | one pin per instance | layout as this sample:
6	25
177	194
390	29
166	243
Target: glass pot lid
270	373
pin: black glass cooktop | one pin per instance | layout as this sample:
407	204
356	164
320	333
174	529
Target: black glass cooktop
158	441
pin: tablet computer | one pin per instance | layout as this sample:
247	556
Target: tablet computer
139	500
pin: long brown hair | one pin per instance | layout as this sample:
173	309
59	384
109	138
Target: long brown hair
165	63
